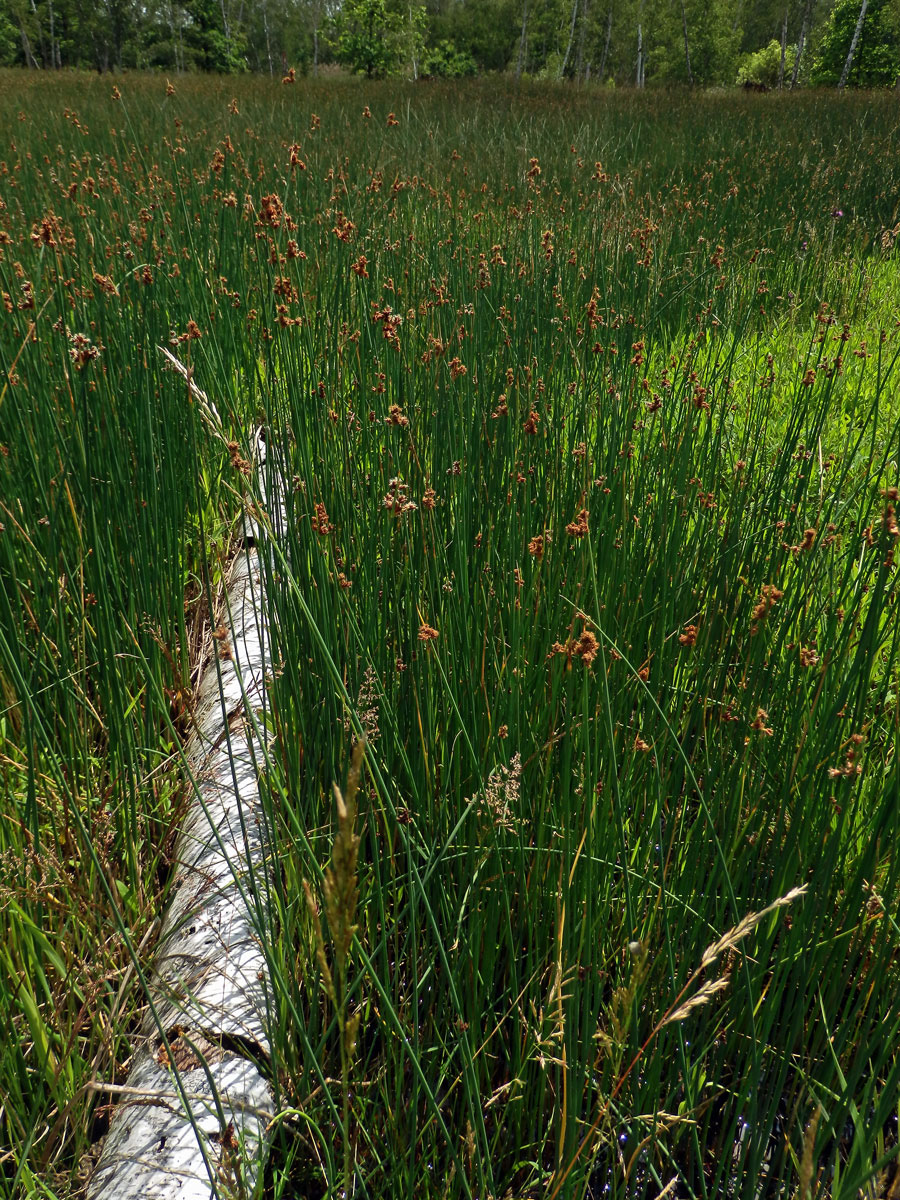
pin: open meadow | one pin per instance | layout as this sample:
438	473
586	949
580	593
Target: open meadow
582	411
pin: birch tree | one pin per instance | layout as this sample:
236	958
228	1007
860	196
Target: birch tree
801	43
845	74
687	51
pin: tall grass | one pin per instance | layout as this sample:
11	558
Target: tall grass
586	427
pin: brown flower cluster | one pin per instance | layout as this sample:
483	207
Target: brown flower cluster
320	521
237	460
396	499
807	543
851	768
768	598
51	232
759	723
586	647
396	417
82	350
579	527
193	333
390	324
343	228
271	212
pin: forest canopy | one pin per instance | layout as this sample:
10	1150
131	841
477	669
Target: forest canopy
709	43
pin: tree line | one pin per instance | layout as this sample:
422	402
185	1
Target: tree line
755	43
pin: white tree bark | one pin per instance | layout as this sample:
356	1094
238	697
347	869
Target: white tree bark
784	25
523	37
845	74
565	61
807	12
609	18
687	52
192	1122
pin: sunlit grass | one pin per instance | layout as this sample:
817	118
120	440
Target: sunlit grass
585	414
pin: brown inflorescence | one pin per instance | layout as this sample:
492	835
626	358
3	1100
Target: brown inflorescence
586	648
579	527
768	598
237	460
531	423
759	723
320	522
396	416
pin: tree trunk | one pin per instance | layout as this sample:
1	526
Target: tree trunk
30	60
118	33
565	61
783	49
582	34
268	37
414	42
53	48
687	52
522	38
605	55
317	14
804	29
858	62
40	33
195	1075
845	74
640	58
175	34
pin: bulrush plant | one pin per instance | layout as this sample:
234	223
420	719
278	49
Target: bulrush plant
679	1010
583	505
341	894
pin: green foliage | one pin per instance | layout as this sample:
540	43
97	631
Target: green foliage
10	41
209	47
445	60
876	62
381	38
545	39
376	38
487	31
713	43
764	66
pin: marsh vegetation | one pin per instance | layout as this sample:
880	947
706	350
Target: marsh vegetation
583	512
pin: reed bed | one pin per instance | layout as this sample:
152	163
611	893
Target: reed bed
583	516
